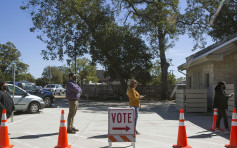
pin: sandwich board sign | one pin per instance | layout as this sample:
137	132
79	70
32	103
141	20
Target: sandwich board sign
121	125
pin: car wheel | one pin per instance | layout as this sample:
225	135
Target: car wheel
33	108
47	101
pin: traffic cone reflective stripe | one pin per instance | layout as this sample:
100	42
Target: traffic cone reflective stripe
233	133
4	138
215	114
182	136
62	136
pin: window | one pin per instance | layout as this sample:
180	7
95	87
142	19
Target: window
207	80
18	91
50	86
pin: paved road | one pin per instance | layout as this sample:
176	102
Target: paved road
158	124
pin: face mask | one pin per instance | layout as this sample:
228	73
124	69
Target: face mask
74	78
224	87
4	87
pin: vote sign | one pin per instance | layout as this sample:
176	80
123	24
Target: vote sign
121	121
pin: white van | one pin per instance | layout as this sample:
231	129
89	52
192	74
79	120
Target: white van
24	101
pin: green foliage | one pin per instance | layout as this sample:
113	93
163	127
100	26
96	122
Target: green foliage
225	22
156	75
86	71
65	71
41	82
53	75
123	54
9	54
27	77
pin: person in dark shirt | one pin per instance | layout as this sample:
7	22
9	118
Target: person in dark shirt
73	93
221	103
6	101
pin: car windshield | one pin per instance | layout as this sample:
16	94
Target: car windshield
50	86
30	87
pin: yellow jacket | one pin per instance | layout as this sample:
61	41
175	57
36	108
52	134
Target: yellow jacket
134	97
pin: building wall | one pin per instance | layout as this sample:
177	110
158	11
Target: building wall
225	70
202	78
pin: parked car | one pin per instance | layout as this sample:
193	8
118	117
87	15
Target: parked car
39	87
47	96
31	88
55	89
24	101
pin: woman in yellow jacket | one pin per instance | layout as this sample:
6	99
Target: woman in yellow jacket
134	99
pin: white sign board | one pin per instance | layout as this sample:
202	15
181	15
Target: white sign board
121	121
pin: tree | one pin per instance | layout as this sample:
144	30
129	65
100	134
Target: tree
156	75
86	71
93	21
27	77
64	25
9	54
157	20
65	71
41	82
53	75
224	23
122	52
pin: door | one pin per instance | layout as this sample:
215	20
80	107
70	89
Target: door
19	99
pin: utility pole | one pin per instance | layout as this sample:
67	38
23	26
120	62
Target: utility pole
13	91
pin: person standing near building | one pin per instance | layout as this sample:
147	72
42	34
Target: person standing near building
134	99
221	103
6	101
73	93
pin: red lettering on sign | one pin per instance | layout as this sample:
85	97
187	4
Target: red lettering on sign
113	116
119	117
124	114
129	117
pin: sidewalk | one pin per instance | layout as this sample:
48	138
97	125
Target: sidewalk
157	123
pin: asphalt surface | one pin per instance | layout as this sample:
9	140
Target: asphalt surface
158	124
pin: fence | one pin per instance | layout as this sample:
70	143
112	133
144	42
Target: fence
115	91
231	101
180	99
196	100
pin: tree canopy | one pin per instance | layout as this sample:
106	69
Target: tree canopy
86	72
9	54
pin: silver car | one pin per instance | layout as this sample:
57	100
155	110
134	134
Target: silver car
24	101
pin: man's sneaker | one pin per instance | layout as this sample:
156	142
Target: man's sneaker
74	129
227	131
71	132
217	131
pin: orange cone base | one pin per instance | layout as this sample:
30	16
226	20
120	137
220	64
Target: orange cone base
10	146
230	146
69	146
180	146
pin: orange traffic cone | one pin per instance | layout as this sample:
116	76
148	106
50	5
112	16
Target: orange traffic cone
4	139
182	136
215	113
62	136
233	133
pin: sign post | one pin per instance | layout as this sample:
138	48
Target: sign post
121	125
13	91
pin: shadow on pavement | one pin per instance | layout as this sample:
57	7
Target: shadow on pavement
99	136
117	147
167	110
34	136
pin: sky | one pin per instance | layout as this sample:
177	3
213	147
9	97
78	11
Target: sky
16	23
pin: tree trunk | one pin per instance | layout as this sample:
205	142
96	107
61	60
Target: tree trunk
164	66
123	84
